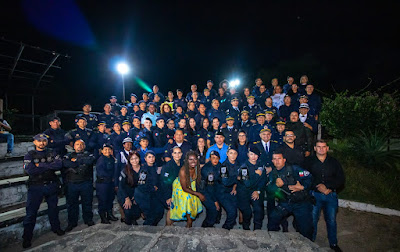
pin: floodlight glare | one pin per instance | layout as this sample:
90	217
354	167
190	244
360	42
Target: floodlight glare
234	83
122	68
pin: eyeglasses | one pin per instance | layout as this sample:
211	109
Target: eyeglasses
289	135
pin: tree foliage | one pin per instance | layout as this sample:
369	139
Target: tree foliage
347	115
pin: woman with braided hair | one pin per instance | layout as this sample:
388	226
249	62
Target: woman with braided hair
186	201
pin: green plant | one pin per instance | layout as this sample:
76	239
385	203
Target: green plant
373	150
346	115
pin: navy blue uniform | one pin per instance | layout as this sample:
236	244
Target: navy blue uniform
108	119
260	99
254	132
126	190
122	118
199	118
297	203
266	155
78	133
253	111
242	153
143	133
227	180
278	137
57	140
146	195
245	126
250	181
209	177
273	109
115	140
78	168
152	94
115	109
212	113
314	101
185	147
231	135
181	102
90	118
105	168
43	182
206	100
235	113
97	141
190	114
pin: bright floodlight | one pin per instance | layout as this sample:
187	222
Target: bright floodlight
234	83
122	68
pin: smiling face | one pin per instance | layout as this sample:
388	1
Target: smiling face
192	161
106	151
134	160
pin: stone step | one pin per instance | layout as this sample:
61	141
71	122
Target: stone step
11	169
20	149
13	191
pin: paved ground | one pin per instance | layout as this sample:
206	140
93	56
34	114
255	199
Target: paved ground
357	231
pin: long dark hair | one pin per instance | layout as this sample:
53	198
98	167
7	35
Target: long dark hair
186	168
129	169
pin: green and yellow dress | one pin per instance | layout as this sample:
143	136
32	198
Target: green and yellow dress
184	203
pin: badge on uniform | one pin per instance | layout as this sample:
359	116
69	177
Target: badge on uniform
210	179
166	174
43	160
223	172
142	178
244	172
36	160
260	168
156	134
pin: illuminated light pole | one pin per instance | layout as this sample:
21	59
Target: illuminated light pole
123	69
234	83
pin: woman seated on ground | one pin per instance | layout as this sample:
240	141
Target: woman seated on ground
186	203
128	181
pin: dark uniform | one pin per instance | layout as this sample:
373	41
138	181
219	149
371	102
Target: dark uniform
43	182
90	118
235	113
78	168
266	154
254	132
115	140
181	102
115	109
298	203
199	118
228	178
108	119
206	100
143	133
185	147
209	177
253	111
160	140
146	195
105	168
126	190
216	113
97	141
245	126
260	99
57	140
231	135
122	159
78	133
249	182
190	114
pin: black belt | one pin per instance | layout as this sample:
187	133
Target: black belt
104	180
41	182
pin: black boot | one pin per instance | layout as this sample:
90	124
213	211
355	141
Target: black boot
70	227
26	243
111	217
59	232
103	218
90	223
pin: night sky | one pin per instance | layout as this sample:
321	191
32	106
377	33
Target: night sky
177	44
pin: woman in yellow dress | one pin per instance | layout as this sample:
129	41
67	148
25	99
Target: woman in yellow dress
186	202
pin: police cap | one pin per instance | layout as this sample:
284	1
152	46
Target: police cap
255	150
113	97
40	137
126	122
132	94
215	153
127	140
101	123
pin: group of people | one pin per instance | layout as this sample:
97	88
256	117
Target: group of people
214	150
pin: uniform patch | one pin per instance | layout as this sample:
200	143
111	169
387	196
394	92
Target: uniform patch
211	177
306	173
301	174
166	174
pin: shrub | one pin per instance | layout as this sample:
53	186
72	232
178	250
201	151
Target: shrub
346	115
